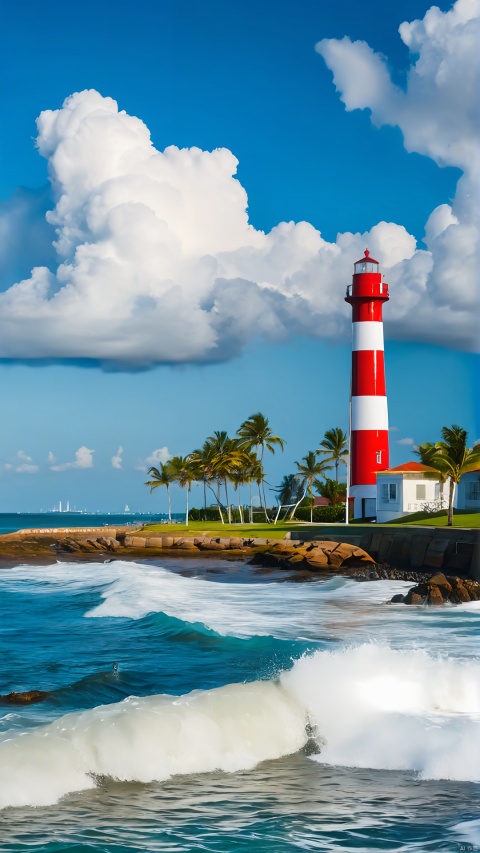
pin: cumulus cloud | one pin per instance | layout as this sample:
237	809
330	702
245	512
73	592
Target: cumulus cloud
438	116
117	460
157	457
157	261
23	464
83	459
407	441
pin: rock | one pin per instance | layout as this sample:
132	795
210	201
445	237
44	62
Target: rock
154	542
438	589
185	544
94	543
459	593
28	697
398	598
167	541
135	541
110	543
440	580
435	596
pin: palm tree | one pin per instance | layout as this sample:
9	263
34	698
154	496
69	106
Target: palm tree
451	457
335	492
289	489
185	472
162	476
335	447
309	471
256	433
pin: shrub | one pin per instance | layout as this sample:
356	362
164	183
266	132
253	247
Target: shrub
326	514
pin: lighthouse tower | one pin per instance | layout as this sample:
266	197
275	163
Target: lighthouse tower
369	414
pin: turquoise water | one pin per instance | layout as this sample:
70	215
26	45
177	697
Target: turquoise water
11	521
242	713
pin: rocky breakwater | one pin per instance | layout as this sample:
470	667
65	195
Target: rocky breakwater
323	556
441	589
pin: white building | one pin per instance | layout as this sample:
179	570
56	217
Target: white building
467	493
407	488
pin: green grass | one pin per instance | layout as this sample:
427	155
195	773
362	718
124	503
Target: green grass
216	528
461	518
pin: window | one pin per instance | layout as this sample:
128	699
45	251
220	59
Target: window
437	491
421	491
388	492
366	266
379	457
473	491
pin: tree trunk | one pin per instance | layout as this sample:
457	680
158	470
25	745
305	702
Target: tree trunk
251	507
451	491
186	513
229	509
311	504
336	470
204	498
218	502
169	505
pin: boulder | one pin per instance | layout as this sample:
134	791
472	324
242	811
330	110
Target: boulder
398	598
435	596
28	697
154	542
438	589
135	541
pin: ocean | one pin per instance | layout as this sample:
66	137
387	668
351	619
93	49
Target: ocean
11	521
197	705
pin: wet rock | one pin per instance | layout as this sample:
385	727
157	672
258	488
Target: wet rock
398	598
28	697
439	589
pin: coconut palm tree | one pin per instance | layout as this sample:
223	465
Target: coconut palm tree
335	447
309	469
162	476
289	490
185	472
452	458
330	489
255	433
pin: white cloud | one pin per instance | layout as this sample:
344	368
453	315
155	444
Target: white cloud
436	296
158	261
118	459
157	457
406	441
23	464
51	458
83	459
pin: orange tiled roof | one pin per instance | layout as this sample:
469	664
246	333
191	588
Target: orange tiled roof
410	468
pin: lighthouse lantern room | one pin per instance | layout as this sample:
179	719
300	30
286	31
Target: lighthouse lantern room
368	412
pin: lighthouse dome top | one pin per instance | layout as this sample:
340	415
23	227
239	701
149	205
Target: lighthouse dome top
366	264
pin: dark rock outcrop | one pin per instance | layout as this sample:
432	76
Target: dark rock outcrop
439	589
28	697
323	556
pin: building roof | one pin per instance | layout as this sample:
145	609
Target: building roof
410	468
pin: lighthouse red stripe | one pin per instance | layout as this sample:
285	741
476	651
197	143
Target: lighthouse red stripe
367	310
368	373
364	447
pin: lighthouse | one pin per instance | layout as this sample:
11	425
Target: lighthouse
369	413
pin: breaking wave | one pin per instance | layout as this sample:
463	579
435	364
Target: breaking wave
367	706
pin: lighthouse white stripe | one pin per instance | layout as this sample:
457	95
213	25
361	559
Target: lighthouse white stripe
369	413
367	334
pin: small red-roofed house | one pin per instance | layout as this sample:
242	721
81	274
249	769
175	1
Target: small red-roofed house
408	488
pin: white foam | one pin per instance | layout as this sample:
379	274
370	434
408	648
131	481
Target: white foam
151	738
389	709
373	707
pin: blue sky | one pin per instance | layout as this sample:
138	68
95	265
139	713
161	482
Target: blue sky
243	77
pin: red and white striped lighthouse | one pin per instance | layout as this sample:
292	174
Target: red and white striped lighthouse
369	413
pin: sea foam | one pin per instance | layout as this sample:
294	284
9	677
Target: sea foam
370	706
